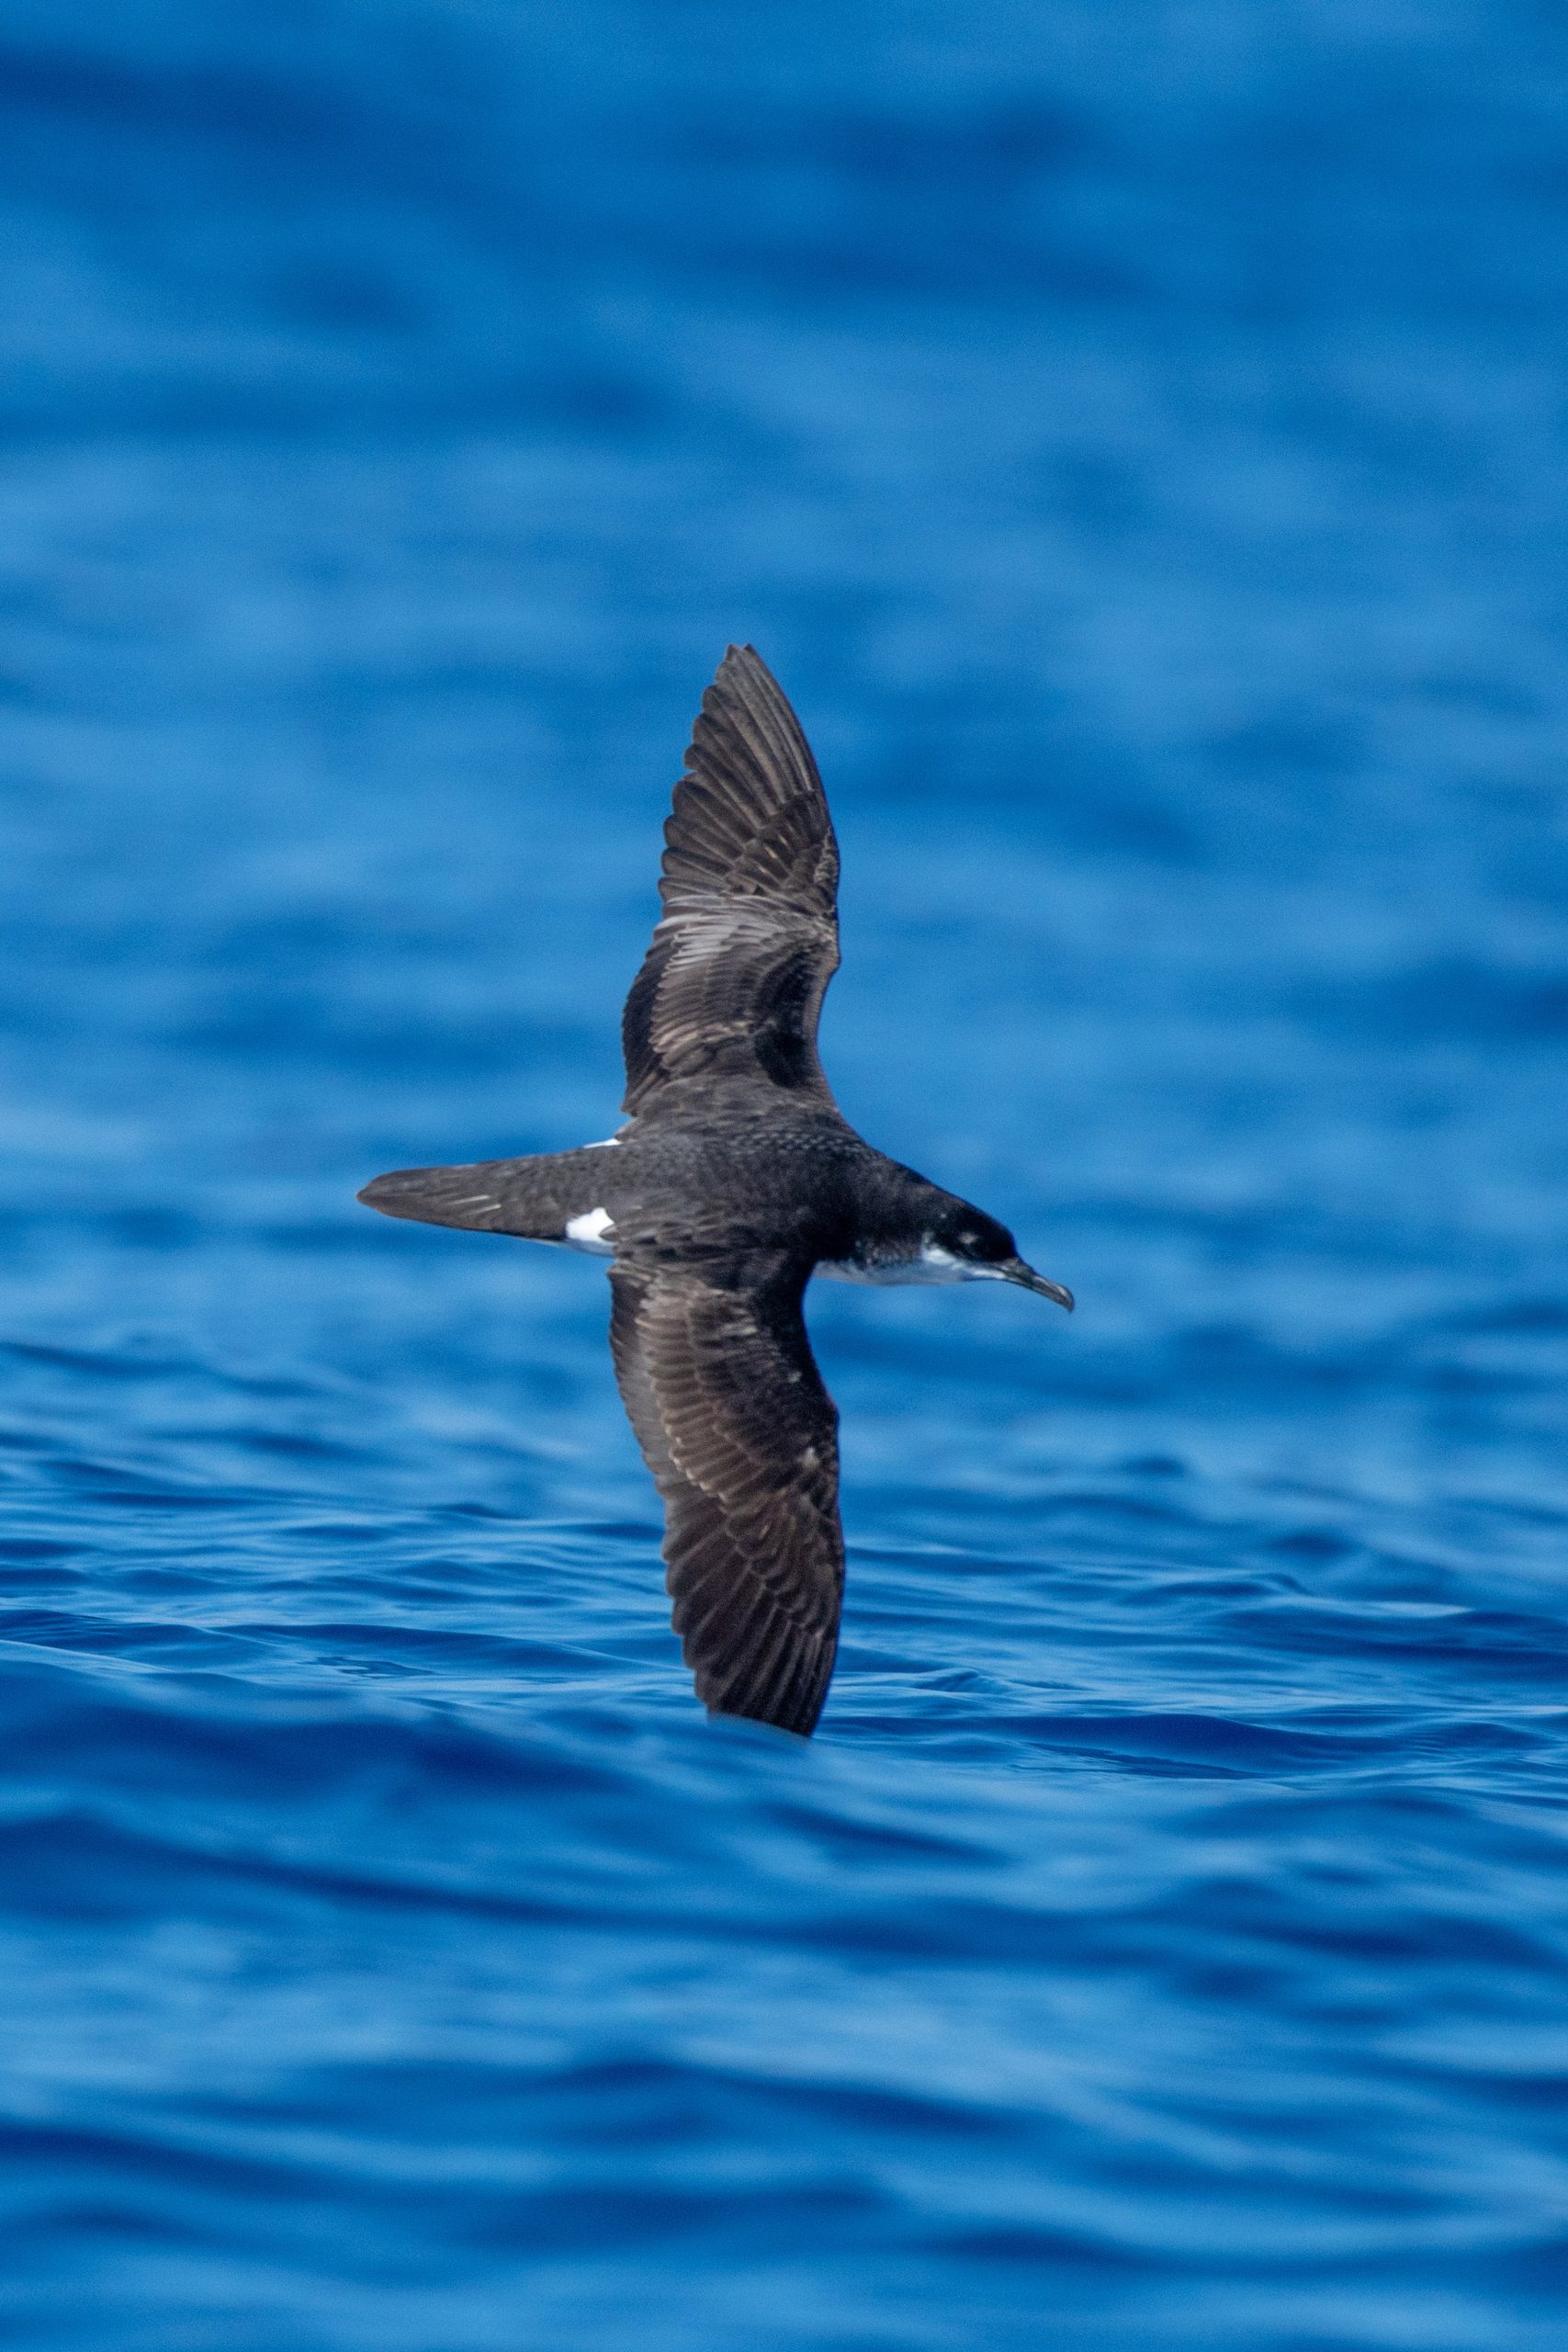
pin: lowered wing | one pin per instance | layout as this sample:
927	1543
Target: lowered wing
718	1381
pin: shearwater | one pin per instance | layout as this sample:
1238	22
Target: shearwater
734	1180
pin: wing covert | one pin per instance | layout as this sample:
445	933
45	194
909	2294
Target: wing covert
718	1381
733	982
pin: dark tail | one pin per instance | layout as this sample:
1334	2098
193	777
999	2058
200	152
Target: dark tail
531	1197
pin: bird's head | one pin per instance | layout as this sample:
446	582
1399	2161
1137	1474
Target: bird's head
963	1244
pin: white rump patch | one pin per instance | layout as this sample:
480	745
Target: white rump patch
590	1231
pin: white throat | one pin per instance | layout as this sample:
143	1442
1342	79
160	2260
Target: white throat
934	1264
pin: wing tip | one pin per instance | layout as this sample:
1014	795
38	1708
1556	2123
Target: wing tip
742	665
777	1673
775	1709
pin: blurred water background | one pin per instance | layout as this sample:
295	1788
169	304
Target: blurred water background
1136	434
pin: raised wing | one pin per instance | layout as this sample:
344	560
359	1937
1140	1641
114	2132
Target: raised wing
734	980
718	1381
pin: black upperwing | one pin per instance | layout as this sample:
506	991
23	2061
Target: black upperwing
717	1375
733	982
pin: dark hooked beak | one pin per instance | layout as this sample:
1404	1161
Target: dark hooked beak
1013	1269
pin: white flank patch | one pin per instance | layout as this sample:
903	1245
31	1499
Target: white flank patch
607	1143
588	1232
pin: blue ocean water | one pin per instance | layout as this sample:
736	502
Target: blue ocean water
1135	434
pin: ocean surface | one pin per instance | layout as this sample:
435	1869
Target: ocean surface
1136	434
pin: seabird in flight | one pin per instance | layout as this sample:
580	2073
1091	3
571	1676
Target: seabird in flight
734	1180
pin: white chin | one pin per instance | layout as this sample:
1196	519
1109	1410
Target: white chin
934	1264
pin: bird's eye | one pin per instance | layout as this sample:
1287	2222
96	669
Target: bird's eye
968	1241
